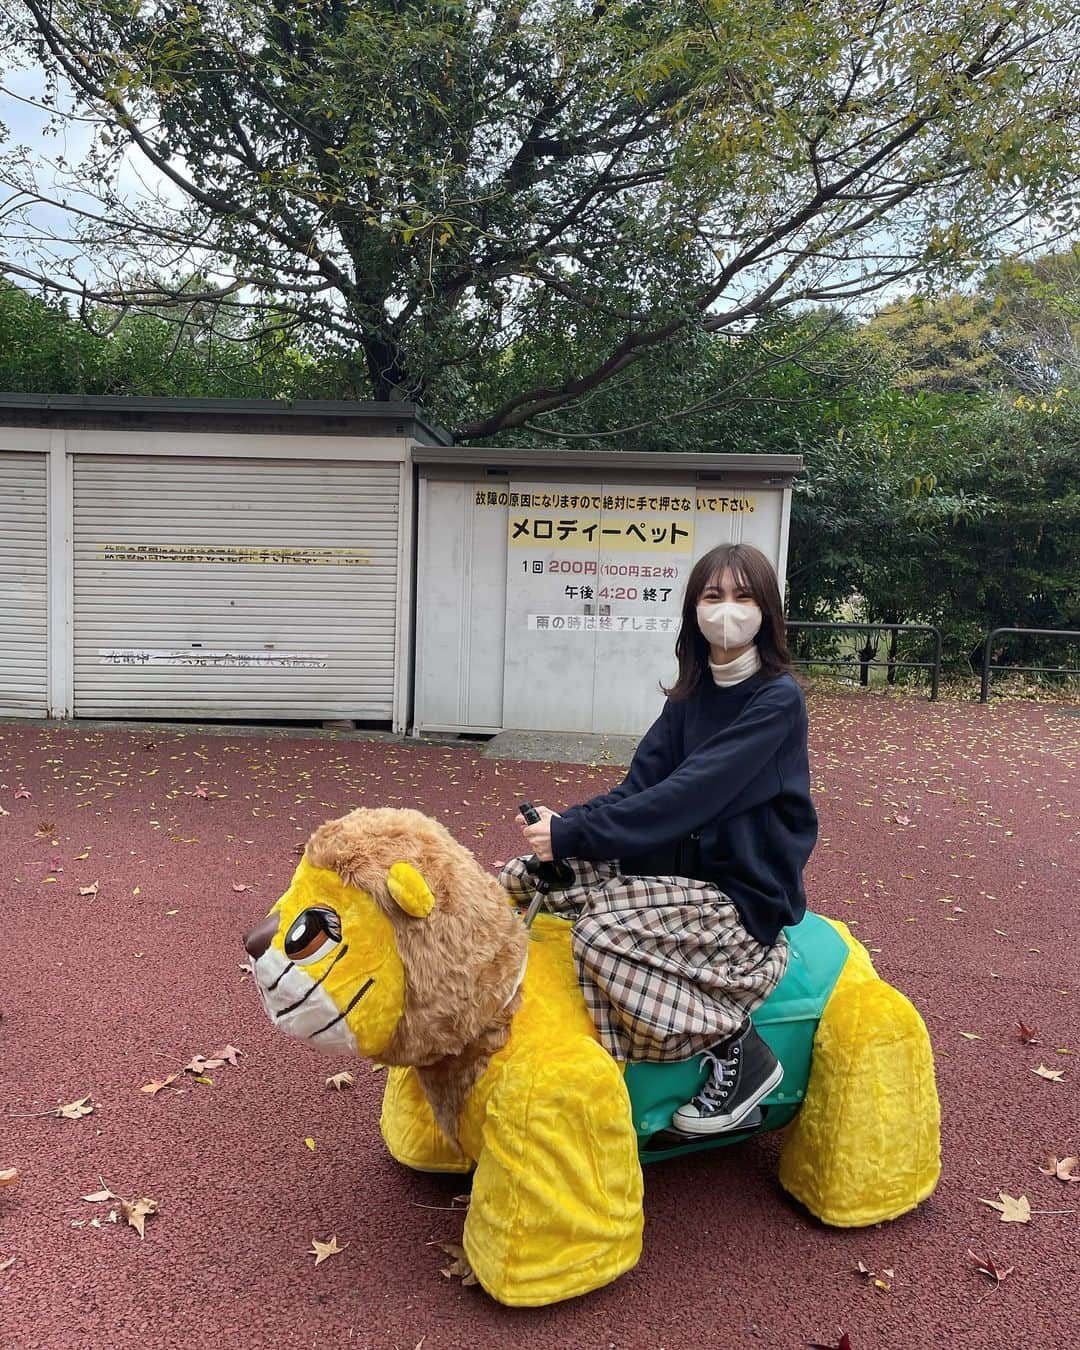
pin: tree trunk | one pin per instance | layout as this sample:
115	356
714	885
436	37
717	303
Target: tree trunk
388	378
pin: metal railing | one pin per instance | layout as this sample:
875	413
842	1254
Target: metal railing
984	692
934	666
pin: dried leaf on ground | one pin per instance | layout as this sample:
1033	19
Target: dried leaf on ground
92	889
971	1036
155	1086
196	1064
882	1281
844	1343
1012	1208
322	1251
76	1110
20	792
459	1267
1064	1169
103	1194
310	1143
1054	1075
227	1056
136	1212
7	1264
1029	1035
986	1265
340	1081
8	1176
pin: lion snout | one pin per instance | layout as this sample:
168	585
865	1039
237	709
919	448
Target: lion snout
260	937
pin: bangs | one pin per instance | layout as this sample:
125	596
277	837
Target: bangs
739	576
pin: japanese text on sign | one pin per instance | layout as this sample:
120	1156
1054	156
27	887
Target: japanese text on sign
590	567
727	505
574	532
138	656
582	501
603	623
286	555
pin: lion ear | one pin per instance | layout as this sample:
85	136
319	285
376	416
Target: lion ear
410	890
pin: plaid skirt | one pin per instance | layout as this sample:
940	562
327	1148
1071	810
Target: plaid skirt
665	964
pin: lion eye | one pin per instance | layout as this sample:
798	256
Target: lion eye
313	935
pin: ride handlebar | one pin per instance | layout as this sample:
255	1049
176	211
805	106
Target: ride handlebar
556	875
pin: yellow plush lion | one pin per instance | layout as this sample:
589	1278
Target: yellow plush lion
392	942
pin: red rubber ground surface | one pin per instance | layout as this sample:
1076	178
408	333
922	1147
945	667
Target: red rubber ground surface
971	908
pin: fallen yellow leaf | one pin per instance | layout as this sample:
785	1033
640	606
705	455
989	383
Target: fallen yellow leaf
155	1086
1054	1075
136	1212
1064	1169
1012	1208
310	1143
74	1110
323	1250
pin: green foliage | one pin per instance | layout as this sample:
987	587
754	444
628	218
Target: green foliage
1018	330
43	349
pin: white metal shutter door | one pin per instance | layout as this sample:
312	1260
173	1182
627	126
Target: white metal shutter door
234	588
24	585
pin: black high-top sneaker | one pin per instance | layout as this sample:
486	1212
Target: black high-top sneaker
744	1070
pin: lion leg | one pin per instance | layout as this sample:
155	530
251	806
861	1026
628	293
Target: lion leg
556	1207
410	1130
865	1147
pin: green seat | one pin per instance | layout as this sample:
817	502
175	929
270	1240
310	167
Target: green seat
787	1020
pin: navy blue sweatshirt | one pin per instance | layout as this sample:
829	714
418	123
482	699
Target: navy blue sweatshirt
719	790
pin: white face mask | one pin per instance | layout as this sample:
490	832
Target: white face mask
729	624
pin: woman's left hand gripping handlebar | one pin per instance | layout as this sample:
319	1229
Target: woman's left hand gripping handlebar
538	834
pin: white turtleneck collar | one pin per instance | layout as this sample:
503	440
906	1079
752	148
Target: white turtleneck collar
734	672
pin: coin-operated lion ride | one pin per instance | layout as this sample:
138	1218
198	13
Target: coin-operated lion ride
393	943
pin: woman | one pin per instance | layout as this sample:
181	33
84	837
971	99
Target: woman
678	941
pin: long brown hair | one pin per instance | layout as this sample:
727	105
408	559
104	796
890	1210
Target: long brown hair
751	569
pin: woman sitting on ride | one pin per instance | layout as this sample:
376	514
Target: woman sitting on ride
691	868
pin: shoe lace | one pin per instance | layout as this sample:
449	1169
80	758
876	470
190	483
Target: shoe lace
721	1079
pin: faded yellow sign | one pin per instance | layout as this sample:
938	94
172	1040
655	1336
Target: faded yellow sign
605	532
283	555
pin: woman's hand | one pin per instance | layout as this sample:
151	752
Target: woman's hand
538	835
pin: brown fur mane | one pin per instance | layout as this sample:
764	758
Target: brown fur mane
461	962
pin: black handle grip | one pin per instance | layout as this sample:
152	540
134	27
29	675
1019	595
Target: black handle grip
556	876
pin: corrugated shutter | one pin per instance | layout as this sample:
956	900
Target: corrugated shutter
24	585
234	587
